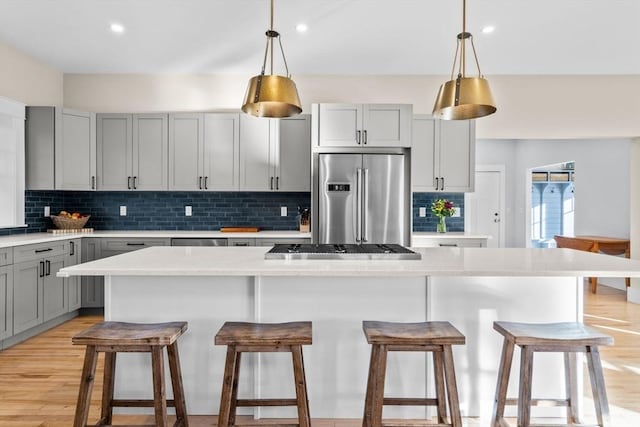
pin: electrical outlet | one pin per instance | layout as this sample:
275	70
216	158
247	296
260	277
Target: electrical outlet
123	211
422	212
187	211
458	213
283	211
47	211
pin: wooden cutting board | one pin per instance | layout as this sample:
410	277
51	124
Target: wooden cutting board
240	229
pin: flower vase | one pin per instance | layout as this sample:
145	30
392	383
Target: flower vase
442	226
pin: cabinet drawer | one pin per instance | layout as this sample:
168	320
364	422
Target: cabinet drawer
131	244
284	241
39	251
6	256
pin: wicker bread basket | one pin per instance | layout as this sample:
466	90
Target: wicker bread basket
69	223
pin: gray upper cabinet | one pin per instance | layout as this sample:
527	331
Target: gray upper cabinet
60	149
363	125
76	154
43	127
204	151
275	154
132	151
443	155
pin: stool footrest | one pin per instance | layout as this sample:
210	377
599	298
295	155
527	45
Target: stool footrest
410	423
267	402
541	402
409	401
267	425
138	403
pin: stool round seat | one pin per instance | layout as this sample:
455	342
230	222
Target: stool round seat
246	333
124	334
423	333
565	333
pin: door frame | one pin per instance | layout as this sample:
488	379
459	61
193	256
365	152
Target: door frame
501	170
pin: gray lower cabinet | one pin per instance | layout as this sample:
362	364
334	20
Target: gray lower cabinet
55	291
92	294
6	302
28	295
74	284
98	248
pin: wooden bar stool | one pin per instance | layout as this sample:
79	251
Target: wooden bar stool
113	337
241	337
435	337
567	338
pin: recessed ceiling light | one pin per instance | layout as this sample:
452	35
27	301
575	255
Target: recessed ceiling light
117	28
488	29
302	28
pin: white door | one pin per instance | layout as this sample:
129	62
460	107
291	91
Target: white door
485	207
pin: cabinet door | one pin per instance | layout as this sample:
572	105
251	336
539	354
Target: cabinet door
221	151
292	154
92	294
56	298
76	152
424	154
6	302
27	295
114	151
186	140
457	155
340	125
74	283
42	128
256	172
150	151
386	125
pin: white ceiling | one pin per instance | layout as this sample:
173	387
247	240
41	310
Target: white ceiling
344	37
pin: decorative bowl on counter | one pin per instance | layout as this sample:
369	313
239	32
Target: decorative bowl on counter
66	221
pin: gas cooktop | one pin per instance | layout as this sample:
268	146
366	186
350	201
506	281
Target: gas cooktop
342	251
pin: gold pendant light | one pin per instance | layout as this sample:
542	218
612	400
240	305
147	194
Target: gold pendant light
464	97
272	95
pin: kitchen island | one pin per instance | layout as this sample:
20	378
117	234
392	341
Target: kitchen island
470	287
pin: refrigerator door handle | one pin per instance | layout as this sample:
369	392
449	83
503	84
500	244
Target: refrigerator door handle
365	204
358	205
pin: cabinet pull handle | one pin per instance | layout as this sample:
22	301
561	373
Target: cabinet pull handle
200	182
128	183
41	269
364	139
277	182
437	183
72	248
240	244
39	251
272	183
206	186
358	136
448	245
47	263
135	244
442	183
93	182
135	182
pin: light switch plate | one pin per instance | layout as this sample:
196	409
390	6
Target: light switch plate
458	213
422	212
283	211
187	211
47	211
123	211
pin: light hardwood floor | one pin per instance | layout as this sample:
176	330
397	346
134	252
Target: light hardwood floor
39	378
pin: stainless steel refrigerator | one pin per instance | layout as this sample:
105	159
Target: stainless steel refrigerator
363	198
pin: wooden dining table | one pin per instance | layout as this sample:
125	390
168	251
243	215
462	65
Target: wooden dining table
602	244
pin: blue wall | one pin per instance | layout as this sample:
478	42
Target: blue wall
164	210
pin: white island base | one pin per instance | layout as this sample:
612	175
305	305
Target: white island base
337	363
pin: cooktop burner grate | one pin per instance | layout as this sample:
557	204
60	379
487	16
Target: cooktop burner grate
341	251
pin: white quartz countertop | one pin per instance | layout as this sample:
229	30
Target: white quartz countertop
30	238
249	261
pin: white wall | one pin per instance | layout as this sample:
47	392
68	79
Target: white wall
602	184
633	294
529	107
24	79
